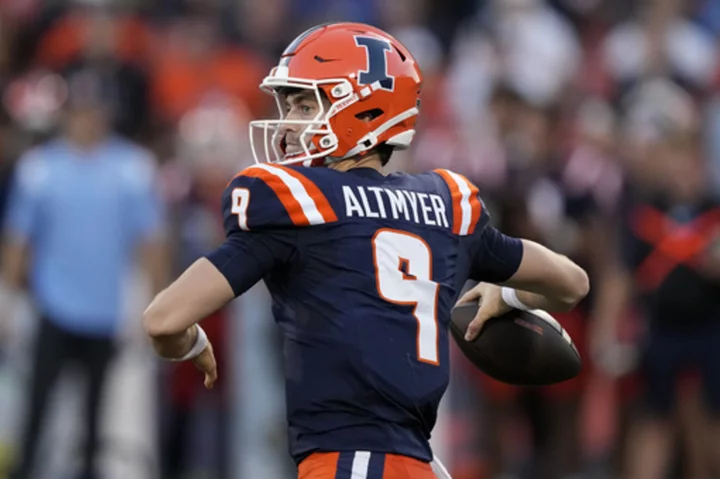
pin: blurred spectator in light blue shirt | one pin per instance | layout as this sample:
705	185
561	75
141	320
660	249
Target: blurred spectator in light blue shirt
81	206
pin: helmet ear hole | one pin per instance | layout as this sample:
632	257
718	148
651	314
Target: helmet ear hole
369	115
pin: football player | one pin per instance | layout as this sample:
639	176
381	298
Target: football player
363	267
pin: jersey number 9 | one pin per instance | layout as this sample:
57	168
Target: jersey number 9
403	274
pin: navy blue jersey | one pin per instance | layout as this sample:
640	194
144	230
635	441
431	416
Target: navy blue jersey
363	270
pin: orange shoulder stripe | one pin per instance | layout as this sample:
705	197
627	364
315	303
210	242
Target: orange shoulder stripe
302	198
283	192
321	202
465	203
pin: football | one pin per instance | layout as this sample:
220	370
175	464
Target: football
527	348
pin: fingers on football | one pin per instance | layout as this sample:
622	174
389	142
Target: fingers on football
476	325
469	296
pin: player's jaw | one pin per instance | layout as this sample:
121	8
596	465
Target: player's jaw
291	143
291	138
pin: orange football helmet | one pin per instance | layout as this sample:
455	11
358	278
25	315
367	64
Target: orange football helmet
372	84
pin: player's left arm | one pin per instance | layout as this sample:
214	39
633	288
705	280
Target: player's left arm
197	293
209	284
259	239
171	320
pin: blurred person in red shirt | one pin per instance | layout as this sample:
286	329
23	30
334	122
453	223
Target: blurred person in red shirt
669	270
559	184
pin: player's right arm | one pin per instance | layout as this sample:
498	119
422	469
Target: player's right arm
524	275
512	272
548	280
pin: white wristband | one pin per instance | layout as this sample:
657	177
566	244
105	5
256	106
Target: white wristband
201	342
509	295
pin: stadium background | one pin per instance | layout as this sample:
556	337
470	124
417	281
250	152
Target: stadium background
554	108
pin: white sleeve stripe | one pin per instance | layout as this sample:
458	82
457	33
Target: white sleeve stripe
298	191
465	205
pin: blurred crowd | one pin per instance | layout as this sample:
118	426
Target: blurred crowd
592	126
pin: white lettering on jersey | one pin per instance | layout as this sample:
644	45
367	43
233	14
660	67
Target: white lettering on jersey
351	203
380	204
439	210
427	208
368	212
412	196
397	204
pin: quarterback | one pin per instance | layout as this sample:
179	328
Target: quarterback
363	267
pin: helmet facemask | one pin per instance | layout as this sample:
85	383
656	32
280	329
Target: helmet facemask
317	139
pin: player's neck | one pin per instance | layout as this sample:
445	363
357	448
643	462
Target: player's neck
371	161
